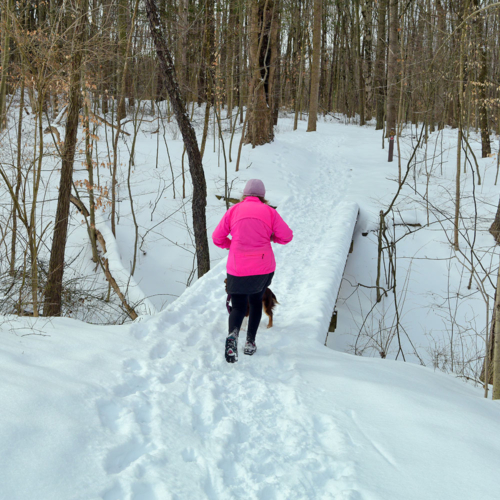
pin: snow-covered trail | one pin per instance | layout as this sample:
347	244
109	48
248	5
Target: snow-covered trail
151	411
296	420
197	427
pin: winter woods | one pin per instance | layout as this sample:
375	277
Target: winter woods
384	58
83	81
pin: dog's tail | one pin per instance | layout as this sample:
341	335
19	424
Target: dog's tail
275	300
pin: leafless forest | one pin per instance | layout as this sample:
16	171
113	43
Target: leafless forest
72	67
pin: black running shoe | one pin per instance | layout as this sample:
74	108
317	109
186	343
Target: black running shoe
232	348
249	348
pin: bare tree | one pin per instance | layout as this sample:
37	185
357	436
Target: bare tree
482	83
188	135
392	68
315	68
263	42
53	288
6	14
496	345
380	64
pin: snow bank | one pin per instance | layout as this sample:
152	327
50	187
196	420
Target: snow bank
152	411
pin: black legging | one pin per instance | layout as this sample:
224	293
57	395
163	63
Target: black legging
239	311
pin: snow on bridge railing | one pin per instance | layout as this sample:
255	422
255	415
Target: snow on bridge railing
346	217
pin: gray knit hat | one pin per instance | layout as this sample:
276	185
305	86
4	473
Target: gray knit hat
254	187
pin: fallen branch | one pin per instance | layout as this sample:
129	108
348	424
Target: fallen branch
103	261
230	200
234	200
79	205
103	120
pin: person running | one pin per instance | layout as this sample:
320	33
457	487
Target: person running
253	224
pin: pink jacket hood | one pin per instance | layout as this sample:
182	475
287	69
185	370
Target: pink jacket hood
251	224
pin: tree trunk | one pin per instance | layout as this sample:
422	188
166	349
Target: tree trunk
486	375
209	68
182	47
274	89
230	63
122	8
392	68
367	13
5	62
462	35
359	58
496	345
18	178
53	289
121	105
495	227
315	67
90	170
439	106
482	79
188	135
260	128
380	64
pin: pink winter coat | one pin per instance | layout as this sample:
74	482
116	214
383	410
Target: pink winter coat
251	224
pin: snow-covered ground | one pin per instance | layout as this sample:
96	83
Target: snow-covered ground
150	410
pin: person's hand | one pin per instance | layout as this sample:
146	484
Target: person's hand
272	237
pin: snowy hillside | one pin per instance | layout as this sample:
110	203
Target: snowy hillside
150	410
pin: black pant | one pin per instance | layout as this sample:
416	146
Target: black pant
240	303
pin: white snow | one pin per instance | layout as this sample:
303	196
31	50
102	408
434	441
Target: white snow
151	410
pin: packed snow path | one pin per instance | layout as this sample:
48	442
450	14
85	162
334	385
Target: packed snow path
189	426
219	431
153	411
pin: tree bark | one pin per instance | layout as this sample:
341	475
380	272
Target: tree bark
358	47
482	79
208	68
380	64
315	68
274	89
122	8
392	68
462	35
367	13
18	178
53	288
182	46
496	345
260	129
439	106
5	61
188	135
495	226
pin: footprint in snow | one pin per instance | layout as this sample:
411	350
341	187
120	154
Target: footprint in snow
139	331
159	351
131	386
193	338
188	455
109	412
131	365
121	457
171	374
114	493
143	491
143	416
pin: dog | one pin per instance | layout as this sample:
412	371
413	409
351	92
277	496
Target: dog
269	302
